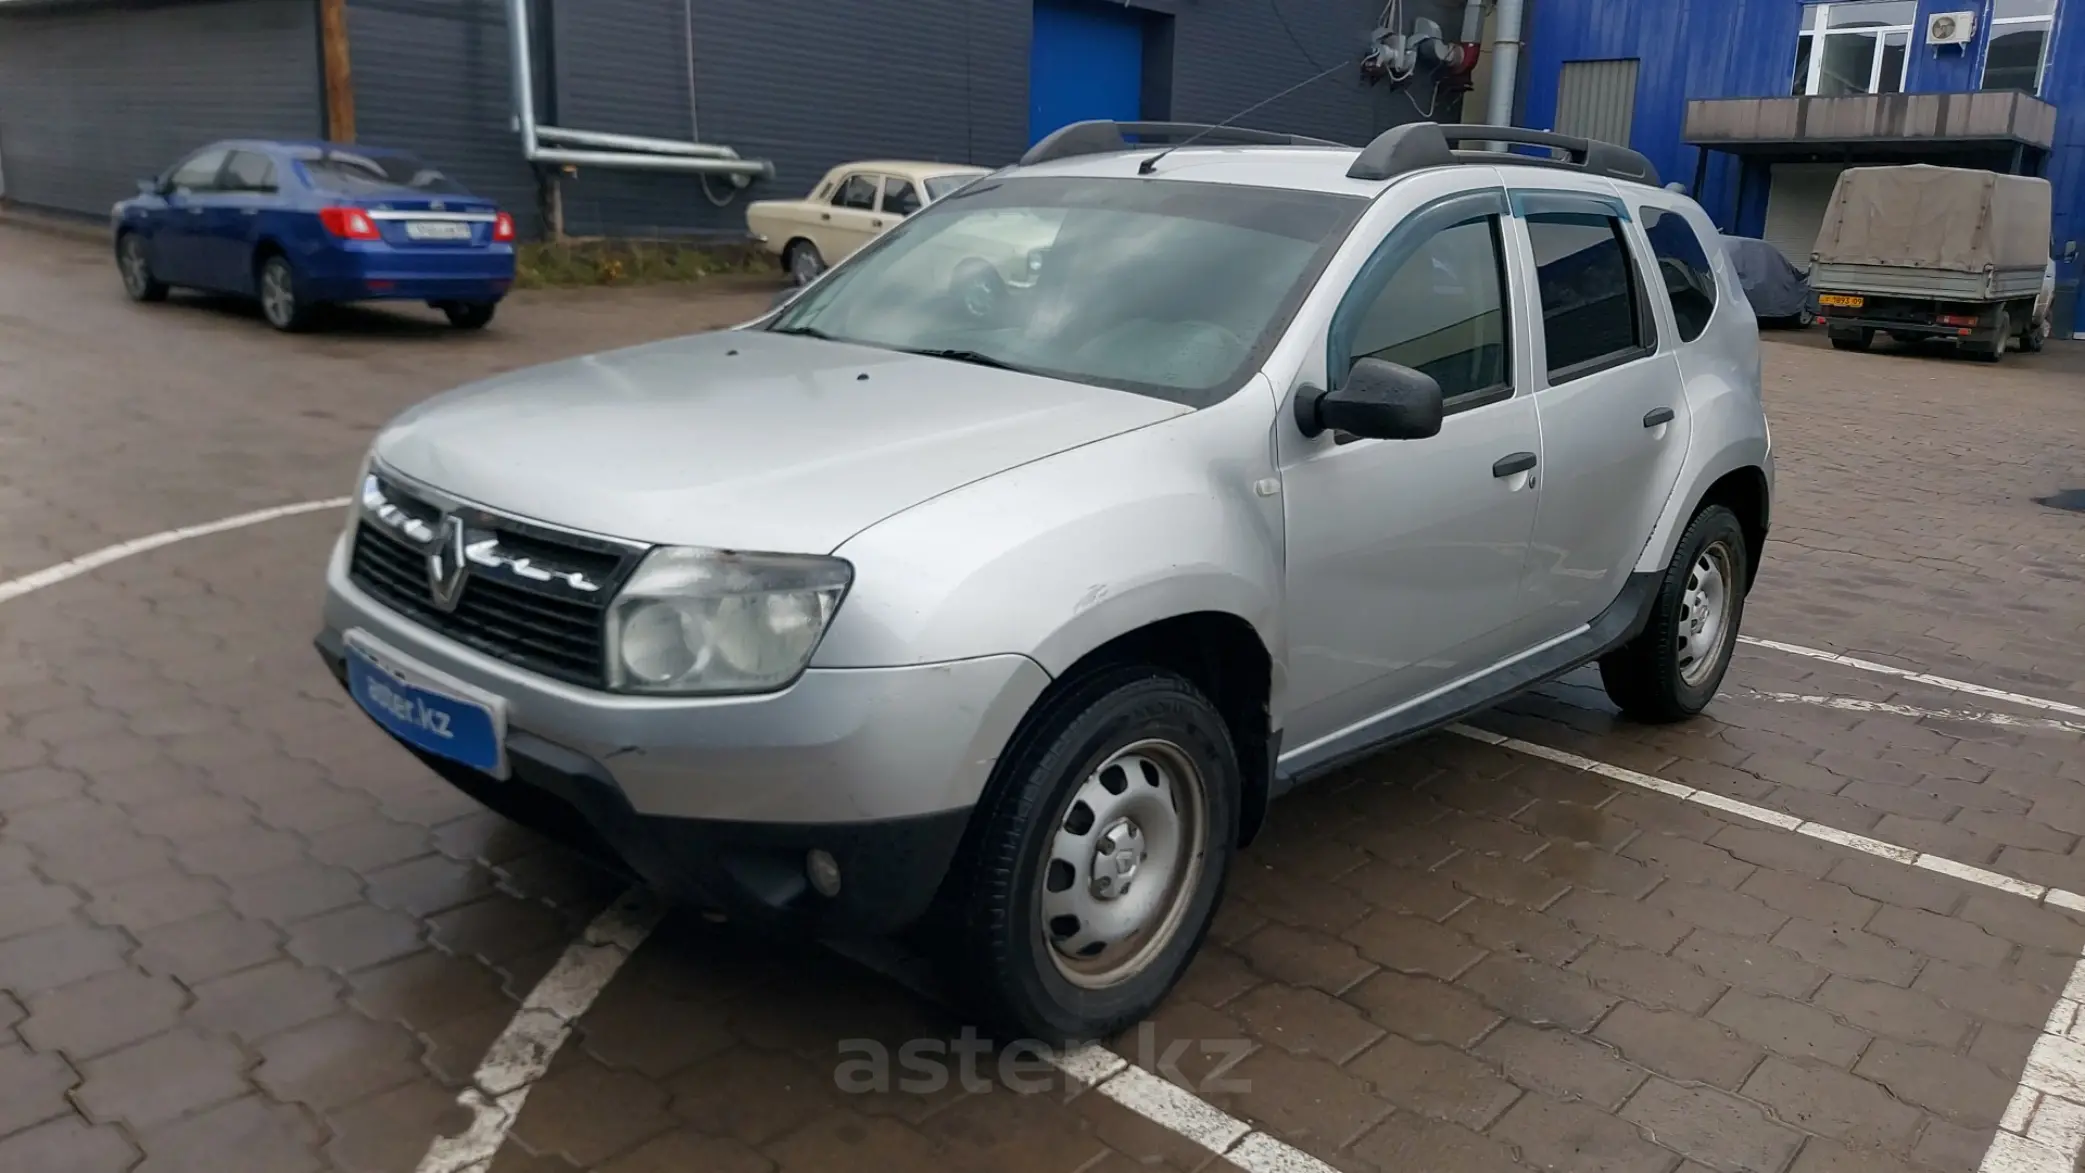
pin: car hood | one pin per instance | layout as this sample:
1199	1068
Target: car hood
743	439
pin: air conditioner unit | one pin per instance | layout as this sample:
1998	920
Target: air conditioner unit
1950	28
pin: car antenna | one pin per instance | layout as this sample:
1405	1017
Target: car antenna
1150	165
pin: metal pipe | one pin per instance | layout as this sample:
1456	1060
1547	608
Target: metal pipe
632	142
522	67
630	161
1473	22
1505	63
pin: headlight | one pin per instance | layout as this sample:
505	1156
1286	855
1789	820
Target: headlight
707	621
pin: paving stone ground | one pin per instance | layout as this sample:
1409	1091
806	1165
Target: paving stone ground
239	931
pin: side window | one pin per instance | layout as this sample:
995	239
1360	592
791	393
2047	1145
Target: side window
198	173
1690	282
900	198
1442	311
1593	312
859	191
249	172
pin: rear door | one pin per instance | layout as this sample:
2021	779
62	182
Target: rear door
178	256
1612	406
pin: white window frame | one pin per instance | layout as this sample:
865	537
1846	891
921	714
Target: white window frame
2015	24
1814	37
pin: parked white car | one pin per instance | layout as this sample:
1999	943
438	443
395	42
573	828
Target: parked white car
854	204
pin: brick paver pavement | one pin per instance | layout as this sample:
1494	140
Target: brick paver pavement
239	931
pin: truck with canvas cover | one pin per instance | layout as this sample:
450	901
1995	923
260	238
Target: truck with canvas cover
1920	252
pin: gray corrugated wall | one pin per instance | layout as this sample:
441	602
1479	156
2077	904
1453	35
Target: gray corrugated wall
431	77
813	83
93	99
1597	99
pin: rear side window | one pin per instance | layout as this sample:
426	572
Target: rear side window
1442	312
1592	304
249	172
1690	283
343	173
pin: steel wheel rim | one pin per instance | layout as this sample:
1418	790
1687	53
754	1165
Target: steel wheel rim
804	265
278	300
1705	606
1123	863
136	275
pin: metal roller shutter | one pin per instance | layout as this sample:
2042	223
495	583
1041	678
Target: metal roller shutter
95	97
1796	199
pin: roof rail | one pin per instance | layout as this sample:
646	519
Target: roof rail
1417	145
1102	136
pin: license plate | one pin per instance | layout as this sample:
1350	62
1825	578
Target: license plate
437	230
424	710
1843	300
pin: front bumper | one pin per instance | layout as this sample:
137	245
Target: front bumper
715	800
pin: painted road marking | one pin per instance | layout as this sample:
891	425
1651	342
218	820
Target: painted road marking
523	1051
1847	704
15	588
1948	683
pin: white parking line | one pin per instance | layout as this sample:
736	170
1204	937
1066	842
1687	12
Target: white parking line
1948	683
15	588
1849	704
523	1051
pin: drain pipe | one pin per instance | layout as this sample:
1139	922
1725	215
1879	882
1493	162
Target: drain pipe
1473	22
616	151
1505	64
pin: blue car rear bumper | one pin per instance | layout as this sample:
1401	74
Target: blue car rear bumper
375	271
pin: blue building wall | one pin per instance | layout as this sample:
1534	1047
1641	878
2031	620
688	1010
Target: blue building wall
1746	49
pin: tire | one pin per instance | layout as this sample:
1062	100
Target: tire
1149	751
2033	340
804	262
469	315
1858	340
978	288
1805	320
136	268
1673	668
281	305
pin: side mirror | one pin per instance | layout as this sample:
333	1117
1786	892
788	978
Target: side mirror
1379	401
148	187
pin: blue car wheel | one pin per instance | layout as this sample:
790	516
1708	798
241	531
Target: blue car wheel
280	303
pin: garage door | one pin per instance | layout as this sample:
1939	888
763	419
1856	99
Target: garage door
95	97
1086	60
1795	205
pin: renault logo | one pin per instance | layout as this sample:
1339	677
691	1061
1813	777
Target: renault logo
446	564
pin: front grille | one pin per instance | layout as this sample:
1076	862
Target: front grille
528	624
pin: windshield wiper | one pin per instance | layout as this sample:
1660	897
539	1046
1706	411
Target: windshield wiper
975	357
802	332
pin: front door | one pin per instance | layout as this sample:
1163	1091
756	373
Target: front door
177	252
852	219
232	219
1614	413
1405	556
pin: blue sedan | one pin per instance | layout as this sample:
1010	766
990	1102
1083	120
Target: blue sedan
301	225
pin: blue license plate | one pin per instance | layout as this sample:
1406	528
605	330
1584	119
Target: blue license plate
441	724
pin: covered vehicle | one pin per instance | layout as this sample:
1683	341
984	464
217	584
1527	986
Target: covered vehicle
301	225
1779	292
1921	252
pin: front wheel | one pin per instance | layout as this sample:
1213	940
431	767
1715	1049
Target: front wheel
281	305
469	315
136	267
1673	668
1100	856
2033	340
804	262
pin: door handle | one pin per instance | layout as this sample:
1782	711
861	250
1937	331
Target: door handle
1506	466
875	223
249	211
825	215
1656	416
195	211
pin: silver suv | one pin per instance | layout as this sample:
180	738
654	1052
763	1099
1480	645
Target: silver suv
997	581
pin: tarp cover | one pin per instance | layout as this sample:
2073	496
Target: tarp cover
1775	288
1926	217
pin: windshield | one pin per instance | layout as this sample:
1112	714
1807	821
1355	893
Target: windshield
350	174
948	185
1165	288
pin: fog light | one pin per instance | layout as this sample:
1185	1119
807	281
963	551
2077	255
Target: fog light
824	871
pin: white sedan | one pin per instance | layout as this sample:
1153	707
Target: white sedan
853	205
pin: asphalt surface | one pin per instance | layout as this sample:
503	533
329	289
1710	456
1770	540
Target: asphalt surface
239	930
